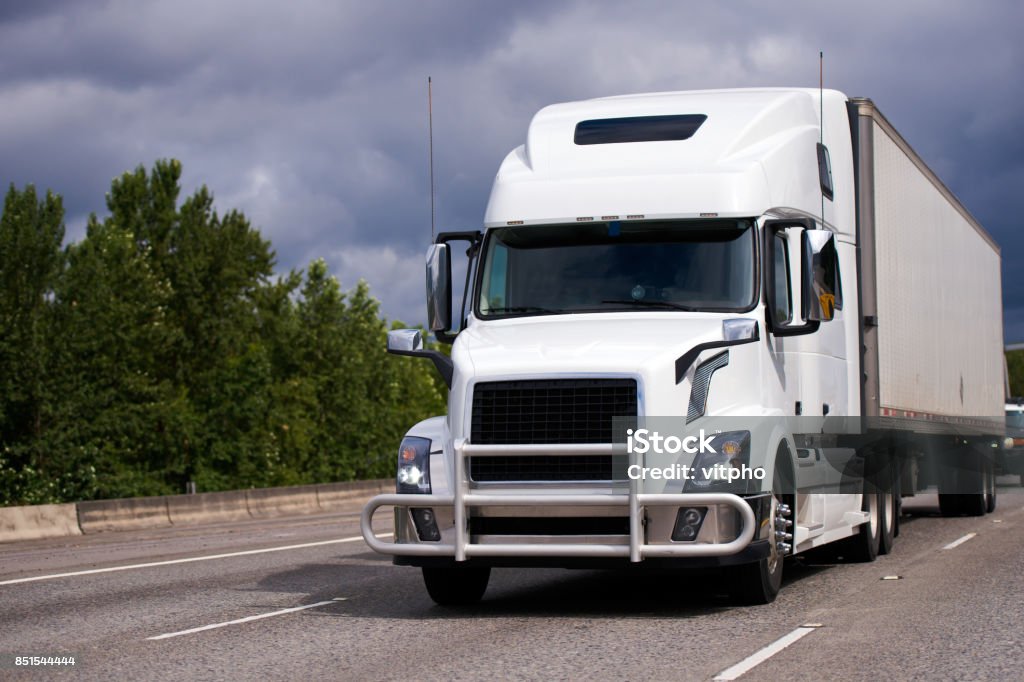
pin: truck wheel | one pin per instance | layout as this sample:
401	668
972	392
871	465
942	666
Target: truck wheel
760	582
887	522
456	585
949	504
990	500
863	547
976	504
970	504
889	509
897	491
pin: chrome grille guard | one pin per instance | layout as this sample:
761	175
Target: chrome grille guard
463	497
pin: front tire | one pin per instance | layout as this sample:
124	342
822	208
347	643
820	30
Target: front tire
760	582
456	585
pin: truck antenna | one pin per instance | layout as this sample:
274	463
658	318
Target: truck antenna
430	119
821	117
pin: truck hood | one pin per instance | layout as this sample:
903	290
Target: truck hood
617	343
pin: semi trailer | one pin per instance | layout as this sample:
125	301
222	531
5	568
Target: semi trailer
700	329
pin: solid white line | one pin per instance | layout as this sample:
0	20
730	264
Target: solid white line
247	619
188	560
957	543
764	654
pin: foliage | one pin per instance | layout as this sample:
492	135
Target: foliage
1015	367
161	349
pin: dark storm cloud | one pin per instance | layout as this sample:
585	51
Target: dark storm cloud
311	116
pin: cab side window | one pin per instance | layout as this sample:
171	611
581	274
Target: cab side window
782	295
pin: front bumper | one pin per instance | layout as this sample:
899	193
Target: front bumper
461	547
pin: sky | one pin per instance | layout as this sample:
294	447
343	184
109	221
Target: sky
311	116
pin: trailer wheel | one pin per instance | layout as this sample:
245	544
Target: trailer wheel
456	585
976	478
949	504
977	503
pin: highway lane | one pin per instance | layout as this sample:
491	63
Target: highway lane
953	613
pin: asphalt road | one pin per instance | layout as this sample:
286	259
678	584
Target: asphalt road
321	605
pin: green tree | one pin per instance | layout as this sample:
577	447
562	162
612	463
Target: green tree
1015	367
116	410
161	349
31	232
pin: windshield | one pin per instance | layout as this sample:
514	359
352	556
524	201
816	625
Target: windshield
606	266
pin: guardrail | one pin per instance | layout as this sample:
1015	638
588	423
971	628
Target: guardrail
165	511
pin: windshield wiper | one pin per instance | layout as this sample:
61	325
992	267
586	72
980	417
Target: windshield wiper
522	309
653	304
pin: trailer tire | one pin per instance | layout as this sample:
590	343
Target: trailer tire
456	585
977	503
949	504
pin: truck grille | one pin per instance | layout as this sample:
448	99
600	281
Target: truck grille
544	468
549	412
553	411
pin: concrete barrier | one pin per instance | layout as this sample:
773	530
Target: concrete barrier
94	516
351	494
131	513
208	508
299	499
38	521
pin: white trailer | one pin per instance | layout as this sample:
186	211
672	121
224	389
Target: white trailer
769	285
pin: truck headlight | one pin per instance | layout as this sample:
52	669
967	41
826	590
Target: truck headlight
1008	443
725	464
413	466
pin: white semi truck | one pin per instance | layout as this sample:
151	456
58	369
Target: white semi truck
772	277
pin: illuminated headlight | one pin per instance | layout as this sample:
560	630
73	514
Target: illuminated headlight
1008	443
413	466
719	466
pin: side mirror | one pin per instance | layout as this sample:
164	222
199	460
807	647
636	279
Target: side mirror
439	288
821	269
813	287
405	341
410	342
